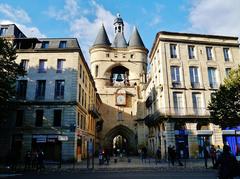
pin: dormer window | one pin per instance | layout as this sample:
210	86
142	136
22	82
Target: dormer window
45	44
63	44
3	31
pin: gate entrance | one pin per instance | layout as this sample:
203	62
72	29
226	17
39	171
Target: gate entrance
120	145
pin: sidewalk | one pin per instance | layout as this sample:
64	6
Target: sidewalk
122	164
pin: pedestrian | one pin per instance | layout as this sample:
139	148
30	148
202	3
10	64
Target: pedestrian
206	156
173	155
100	157
158	155
34	159
213	154
107	156
227	164
40	160
218	152
144	154
179	155
169	154
27	160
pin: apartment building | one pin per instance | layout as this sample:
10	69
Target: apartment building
185	69
56	101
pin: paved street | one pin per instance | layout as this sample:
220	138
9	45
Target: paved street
126	175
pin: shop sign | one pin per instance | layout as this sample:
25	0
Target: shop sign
181	132
228	132
237	132
62	138
204	132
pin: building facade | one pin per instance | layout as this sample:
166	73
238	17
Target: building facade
119	71
185	69
56	101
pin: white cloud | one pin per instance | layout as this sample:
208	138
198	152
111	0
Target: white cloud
86	25
27	30
14	14
215	17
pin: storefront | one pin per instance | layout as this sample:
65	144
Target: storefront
204	138
231	137
49	144
181	138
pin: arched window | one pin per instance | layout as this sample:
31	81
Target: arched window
96	71
119	76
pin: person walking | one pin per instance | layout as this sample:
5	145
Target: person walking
213	154
144	154
158	155
218	152
206	156
27	160
226	164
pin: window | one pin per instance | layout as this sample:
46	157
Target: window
175	74
79	93
227	71
212	77
3	31
194	77
40	90
226	54
80	71
24	64
78	120
57	118
39	118
115	55
173	50
21	89
63	44
197	102
209	53
59	89
120	115
178	102
60	65
82	97
191	52
19	118
45	44
131	56
124	55
107	55
83	77
42	66
96	71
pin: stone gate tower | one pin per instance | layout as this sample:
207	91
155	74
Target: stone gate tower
119	70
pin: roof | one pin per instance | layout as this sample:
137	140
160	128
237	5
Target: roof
102	37
119	41
156	40
135	39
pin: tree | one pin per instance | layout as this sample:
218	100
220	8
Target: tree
225	104
9	71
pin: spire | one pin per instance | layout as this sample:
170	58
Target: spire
135	39
119	39
102	37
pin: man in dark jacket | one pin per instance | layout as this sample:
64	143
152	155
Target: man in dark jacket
227	164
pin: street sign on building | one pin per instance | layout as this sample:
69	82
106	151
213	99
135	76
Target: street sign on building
62	138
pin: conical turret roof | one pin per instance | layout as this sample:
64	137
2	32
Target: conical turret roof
119	41
102	37
135	39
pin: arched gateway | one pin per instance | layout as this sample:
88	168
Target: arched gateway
121	139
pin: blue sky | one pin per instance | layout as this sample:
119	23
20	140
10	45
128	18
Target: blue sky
82	18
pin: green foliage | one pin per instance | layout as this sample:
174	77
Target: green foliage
9	71
225	104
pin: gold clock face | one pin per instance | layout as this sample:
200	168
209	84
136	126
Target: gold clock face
121	100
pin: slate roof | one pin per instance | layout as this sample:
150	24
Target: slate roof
102	37
135	39
119	41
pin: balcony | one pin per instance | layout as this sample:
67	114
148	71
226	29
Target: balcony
152	119
185	112
177	84
93	111
213	85
195	85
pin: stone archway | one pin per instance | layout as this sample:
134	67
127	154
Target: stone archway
126	133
